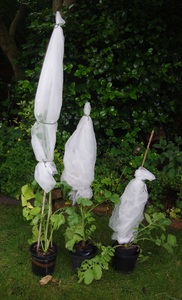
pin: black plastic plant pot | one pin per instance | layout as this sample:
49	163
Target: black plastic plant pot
78	257
124	259
43	264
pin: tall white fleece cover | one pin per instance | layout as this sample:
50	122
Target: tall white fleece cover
48	103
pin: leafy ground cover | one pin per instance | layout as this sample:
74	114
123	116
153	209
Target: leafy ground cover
158	278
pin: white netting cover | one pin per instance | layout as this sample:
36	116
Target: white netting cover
80	157
48	103
128	213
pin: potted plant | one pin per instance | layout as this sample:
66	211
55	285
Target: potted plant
124	256
81	225
152	229
89	258
37	209
175	214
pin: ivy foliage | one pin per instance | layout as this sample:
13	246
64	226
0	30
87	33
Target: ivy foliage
121	58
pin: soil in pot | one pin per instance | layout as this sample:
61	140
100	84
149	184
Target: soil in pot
82	253
43	264
125	258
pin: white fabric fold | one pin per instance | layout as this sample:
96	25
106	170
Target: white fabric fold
44	172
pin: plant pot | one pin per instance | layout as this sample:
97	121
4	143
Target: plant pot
43	264
56	194
78	256
103	209
124	259
176	224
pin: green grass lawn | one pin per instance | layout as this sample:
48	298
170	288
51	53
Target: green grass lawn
158	278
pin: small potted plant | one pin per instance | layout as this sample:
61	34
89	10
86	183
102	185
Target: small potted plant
151	229
128	226
175	214
37	209
124	256
81	225
89	258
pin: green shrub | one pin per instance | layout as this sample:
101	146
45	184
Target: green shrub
16	161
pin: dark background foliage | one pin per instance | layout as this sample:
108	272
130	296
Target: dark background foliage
126	61
122	56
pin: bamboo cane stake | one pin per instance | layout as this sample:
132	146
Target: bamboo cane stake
146	151
50	207
40	226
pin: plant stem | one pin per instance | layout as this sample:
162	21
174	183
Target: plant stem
144	228
82	217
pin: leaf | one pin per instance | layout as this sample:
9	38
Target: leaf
88	276
36	219
148	218
84	201
163	237
57	220
38	199
70	210
73	219
168	248
158	216
158	242
171	239
34	211
97	271
107	194
70	245
27	194
133	95
115	198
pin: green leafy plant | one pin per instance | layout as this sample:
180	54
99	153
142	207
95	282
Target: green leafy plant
81	223
16	160
176	212
81	220
37	209
92	269
171	156
99	65
168	166
104	196
120	79
151	229
79	234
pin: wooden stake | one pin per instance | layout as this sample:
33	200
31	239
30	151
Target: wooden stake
146	151
40	226
50	210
